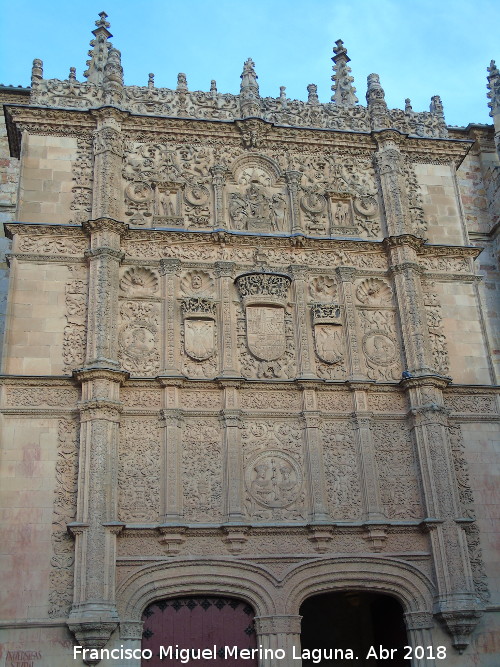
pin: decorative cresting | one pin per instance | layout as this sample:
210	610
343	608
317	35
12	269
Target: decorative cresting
199	327
104	85
264	297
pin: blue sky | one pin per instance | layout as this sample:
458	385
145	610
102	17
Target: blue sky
420	48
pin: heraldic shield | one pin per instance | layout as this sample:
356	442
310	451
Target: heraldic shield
266	331
328	342
199	338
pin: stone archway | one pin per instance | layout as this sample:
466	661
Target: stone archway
202	628
353	625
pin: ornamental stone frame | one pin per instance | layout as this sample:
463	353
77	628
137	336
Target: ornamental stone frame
247	352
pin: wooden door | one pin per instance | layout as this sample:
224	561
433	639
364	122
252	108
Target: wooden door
197	623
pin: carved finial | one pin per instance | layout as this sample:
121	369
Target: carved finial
113	77
36	72
249	90
213	86
312	94
343	90
408	107
151	80
182	81
436	106
493	89
99	52
283	95
102	23
377	105
72	74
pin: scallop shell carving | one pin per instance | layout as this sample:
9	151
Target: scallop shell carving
197	283
374	292
323	289
139	281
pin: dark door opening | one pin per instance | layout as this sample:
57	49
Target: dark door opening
356	621
195	624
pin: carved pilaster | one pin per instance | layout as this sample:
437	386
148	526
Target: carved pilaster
227	316
169	269
372	501
390	166
231	418
93	616
314	458
402	258
293	179
279	632
218	179
346	275
108	158
419	626
104	258
172	422
305	343
456	602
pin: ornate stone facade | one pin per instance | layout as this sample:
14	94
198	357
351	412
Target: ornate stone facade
247	354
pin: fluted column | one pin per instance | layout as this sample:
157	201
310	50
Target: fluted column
456	602
279	633
419	626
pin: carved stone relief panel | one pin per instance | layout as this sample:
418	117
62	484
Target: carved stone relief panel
139	281
133	397
197	283
75	331
439	346
270	400
83	178
168	185
257	196
387	402
379	340
329	342
139	470
199	337
53	397
397	470
482	404
202	470
138	335
264	326
342	470
335	401
338	194
273	470
64	512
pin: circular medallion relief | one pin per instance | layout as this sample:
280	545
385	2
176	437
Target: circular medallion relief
379	348
137	340
139	192
273	479
196	195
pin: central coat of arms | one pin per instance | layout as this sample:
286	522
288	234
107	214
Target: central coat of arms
266	331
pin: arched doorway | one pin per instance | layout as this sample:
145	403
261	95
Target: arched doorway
356	621
175	627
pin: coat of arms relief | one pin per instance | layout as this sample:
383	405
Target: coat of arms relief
265	325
